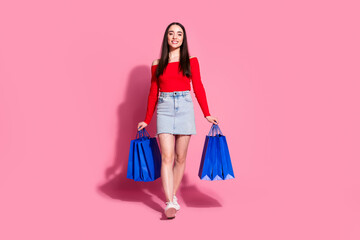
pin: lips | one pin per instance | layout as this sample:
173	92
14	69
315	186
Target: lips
174	42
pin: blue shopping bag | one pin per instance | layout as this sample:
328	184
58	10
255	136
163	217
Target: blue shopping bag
144	163
215	161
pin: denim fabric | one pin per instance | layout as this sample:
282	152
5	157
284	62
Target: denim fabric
175	113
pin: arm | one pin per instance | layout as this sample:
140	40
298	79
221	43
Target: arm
153	95
198	87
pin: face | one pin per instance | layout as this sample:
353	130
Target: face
175	36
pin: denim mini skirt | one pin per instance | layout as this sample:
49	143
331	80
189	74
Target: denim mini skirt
175	113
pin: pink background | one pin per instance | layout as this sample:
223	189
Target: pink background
281	76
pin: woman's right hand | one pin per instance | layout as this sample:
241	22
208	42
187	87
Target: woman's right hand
141	125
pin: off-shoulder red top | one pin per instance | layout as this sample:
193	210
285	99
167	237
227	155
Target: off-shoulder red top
173	80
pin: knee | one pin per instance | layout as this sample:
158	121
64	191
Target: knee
180	159
167	159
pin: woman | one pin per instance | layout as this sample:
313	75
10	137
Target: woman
171	76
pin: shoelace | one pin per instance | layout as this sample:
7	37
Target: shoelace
174	200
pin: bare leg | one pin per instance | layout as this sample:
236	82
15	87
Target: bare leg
167	145
181	147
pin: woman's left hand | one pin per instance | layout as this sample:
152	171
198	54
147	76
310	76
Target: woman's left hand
212	119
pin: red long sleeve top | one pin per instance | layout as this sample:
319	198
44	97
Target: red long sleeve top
173	80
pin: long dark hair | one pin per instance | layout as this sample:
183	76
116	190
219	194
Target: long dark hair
184	64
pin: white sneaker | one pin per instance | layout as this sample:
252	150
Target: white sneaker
170	210
177	206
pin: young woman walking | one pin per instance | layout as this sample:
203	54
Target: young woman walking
171	76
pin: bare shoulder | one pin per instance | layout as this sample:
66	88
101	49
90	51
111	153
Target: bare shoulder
155	62
194	59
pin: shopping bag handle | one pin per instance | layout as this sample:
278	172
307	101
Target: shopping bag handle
215	129
212	130
141	133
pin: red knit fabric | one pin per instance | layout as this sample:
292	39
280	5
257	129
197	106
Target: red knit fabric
173	80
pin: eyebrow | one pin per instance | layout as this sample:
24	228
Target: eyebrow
178	31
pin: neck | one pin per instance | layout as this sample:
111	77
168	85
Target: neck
174	53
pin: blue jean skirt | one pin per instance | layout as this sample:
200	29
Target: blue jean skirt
175	113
